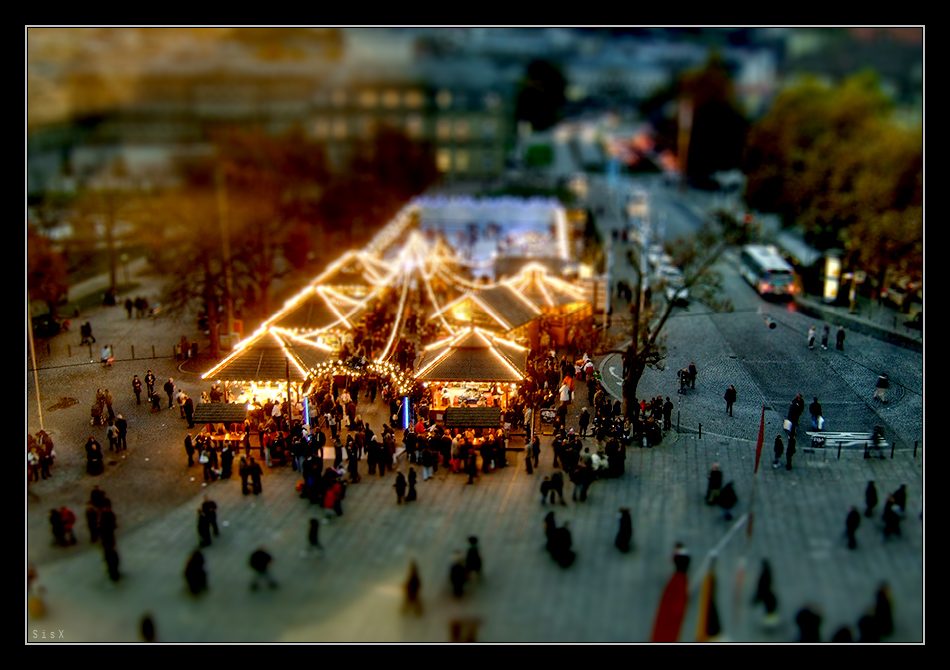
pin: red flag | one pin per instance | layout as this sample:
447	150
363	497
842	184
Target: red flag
708	626
758	446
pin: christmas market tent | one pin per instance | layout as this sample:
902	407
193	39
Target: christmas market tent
565	307
471	369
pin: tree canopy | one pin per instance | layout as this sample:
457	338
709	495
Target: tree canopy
832	160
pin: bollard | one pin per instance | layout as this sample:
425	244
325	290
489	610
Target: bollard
839	449
915	448
700	431
892	448
153	351
677	422
133	352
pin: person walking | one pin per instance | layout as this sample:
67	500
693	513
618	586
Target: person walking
625	532
313	535
204	528
473	560
107	526
92	521
870	499
137	389
458	575
557	487
413	602
170	391
691	374
254	471
727	500
892	519
795	412
811	337
814	409
400	487
730	398
583	421
189	409
824	336
536	449
260	562
56	524
881	387
149	383
667	414
851	527
779	450
839	338
122	432
789	452
190	450
765	595
111	557
195	575
210	510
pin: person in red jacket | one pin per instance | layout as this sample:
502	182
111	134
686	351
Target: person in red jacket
68	521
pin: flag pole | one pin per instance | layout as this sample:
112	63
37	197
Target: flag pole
743	560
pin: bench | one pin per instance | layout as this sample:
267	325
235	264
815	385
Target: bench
822	439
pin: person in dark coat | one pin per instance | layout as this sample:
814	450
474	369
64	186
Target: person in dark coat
92	521
169	390
255	472
727	500
870	498
204	528
245	473
892	519
809	624
900	498
883	617
715	484
473	560
260	562
313	535
557	487
625	532
730	398
458	575
112	563
764	593
413	586
851	527
789	452
227	461
190	411
562	551
107	526
779	450
195	574
400	487
583	421
691	374
190	450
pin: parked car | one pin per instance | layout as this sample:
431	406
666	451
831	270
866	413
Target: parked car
673	283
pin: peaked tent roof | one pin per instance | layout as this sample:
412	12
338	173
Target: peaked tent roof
354	270
473	355
317	308
500	306
543	289
270	355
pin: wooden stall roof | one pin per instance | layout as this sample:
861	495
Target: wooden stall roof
472	417
270	356
473	355
220	412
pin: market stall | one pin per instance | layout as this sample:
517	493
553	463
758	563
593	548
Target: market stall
473	369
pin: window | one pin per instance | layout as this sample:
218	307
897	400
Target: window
391	99
321	128
461	160
461	130
339	129
492	100
444	99
443	160
338	97
368	98
443	129
489	129
414	126
414	99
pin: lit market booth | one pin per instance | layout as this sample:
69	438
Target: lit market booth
566	311
472	369
270	365
499	309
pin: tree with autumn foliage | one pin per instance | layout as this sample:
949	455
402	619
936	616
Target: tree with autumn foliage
46	276
832	160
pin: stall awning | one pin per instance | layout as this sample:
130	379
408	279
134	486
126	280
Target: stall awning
270	356
220	412
473	355
472	417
